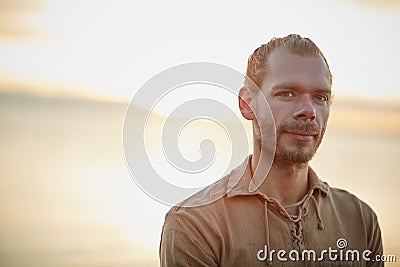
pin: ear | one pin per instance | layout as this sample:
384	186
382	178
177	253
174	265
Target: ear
245	98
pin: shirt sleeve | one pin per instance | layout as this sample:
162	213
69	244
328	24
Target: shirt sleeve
184	242
374	242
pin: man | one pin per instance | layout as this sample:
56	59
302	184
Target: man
292	218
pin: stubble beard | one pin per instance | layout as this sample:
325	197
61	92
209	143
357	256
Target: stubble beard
299	153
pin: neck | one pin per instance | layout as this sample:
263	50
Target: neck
286	182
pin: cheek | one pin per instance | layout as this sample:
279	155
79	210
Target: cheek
323	113
264	118
280	111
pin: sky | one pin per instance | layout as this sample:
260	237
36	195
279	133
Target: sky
109	49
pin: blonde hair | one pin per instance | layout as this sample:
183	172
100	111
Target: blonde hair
293	43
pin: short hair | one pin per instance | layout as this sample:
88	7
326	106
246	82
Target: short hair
293	43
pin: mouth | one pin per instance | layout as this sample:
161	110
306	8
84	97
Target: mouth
302	136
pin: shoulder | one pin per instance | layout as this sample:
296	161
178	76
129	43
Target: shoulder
189	221
345	200
214	201
201	206
216	193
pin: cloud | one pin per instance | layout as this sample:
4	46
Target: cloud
17	19
379	5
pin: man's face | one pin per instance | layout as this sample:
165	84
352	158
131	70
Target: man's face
298	91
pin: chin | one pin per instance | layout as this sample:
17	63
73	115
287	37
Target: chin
295	156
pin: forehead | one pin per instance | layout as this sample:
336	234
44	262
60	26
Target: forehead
284	67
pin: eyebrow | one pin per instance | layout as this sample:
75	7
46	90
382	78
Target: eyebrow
293	87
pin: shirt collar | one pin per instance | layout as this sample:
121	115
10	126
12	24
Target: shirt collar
240	180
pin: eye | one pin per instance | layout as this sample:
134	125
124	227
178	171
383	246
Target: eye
287	94
321	98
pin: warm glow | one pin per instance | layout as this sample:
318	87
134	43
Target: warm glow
65	192
112	47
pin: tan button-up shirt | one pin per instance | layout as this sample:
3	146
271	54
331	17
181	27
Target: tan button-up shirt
331	227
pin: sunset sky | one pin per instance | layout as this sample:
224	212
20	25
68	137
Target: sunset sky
108	49
65	189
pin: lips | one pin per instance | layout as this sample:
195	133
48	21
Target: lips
302	136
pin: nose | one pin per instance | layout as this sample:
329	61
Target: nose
305	109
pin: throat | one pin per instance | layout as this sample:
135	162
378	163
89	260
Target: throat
289	167
286	185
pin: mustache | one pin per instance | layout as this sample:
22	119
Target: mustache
303	127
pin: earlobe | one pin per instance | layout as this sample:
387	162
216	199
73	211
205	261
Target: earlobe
244	103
